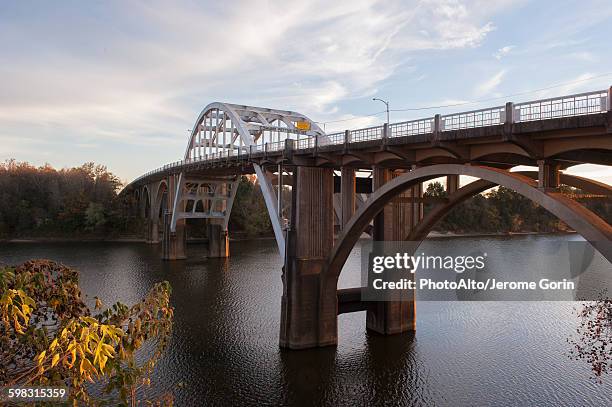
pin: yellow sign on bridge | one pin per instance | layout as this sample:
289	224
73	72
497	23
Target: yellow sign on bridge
302	125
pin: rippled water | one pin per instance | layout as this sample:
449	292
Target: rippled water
225	350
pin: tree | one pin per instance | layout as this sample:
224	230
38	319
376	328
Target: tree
94	216
435	189
249	212
593	339
49	337
37	201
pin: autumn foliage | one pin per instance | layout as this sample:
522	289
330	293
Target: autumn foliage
46	202
48	336
593	339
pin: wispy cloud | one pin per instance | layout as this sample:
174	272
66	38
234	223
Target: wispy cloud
490	84
129	77
145	60
503	51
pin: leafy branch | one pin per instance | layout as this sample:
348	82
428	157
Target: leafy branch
49	336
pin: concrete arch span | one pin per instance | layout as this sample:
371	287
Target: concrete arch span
585	222
423	228
162	187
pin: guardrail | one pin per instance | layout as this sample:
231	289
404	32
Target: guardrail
369	133
565	106
411	128
476	118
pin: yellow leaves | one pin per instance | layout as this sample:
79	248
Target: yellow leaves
84	334
41	357
17	326
90	320
84	348
85	343
73	357
15	309
102	362
86	369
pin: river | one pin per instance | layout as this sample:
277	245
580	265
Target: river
224	349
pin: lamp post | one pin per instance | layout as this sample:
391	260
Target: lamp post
386	105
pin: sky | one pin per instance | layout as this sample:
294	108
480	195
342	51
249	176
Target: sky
120	83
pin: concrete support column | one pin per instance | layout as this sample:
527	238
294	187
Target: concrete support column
309	303
152	231
218	241
548	174
393	224
173	243
380	230
347	193
452	183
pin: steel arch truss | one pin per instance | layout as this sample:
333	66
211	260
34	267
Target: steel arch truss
225	130
207	199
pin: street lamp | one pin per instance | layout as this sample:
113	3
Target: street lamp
387	106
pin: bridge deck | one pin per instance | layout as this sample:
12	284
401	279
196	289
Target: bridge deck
572	129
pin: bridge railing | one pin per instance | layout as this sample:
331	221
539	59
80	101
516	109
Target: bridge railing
276	146
411	128
331	139
476	118
565	106
369	133
305	143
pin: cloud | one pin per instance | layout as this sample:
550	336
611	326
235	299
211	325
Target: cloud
583	56
502	52
138	73
490	84
349	121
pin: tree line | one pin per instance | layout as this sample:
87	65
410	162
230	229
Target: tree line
501	210
83	201
44	201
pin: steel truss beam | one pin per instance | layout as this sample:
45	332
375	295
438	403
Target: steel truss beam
222	130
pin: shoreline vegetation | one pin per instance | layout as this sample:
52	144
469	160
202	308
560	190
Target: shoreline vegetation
432	235
44	204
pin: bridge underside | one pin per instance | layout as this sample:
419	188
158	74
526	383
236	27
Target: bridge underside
344	186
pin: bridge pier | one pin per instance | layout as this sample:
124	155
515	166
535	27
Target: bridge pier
452	183
218	241
347	194
392	224
173	244
548	174
152	231
309	304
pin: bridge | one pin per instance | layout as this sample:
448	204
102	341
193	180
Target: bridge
370	180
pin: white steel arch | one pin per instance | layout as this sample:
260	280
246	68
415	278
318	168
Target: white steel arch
224	130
